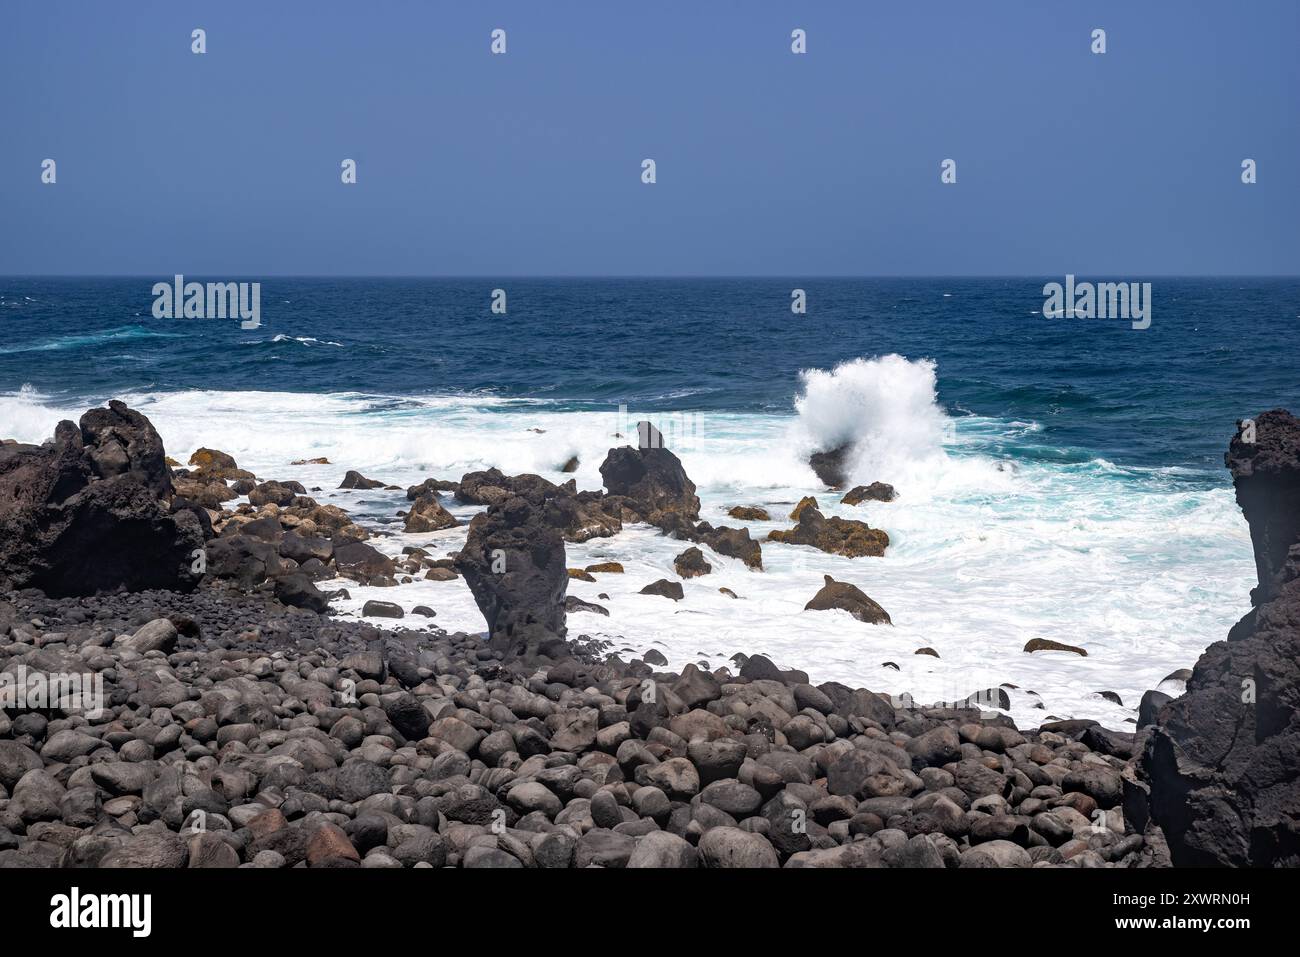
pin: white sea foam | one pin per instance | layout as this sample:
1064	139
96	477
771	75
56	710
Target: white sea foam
1139	569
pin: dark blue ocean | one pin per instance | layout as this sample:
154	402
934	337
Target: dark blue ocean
1216	350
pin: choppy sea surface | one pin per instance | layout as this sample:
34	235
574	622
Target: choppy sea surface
1057	478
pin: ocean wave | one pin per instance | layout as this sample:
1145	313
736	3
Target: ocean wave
301	340
89	340
886	408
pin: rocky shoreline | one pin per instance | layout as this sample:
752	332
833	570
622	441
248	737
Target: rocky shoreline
239	724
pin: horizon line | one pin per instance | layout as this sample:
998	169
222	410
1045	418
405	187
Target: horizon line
651	276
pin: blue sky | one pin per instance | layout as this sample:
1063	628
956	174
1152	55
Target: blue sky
1125	164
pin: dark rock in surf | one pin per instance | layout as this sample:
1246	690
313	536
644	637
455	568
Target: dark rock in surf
839	536
580	516
691	563
382	609
875	492
831	466
1047	644
807	501
732	542
572	603
850	598
664	588
355	480
650	483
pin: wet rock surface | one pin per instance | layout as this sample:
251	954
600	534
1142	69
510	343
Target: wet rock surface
1220	771
875	492
850	598
839	536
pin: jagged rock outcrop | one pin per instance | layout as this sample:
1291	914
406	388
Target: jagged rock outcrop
483	487
94	510
650	483
580	516
807	501
1220	773
839	536
514	564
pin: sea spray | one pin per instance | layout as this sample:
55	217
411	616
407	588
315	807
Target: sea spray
886	409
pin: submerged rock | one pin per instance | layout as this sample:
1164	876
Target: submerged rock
572	603
1047	644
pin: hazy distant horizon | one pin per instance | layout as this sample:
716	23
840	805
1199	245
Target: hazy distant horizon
775	277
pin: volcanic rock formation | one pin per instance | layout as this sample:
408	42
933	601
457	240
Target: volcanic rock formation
93	510
1223	761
